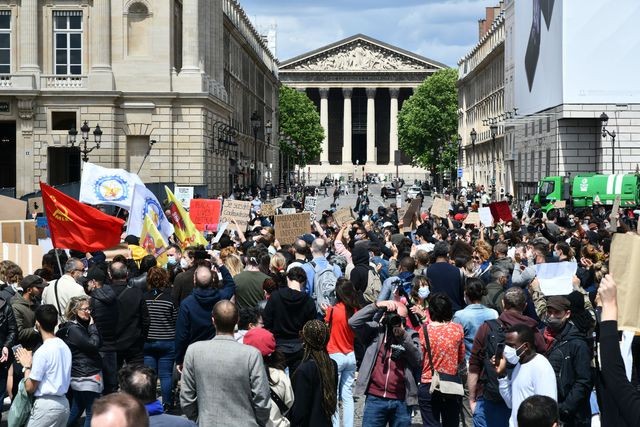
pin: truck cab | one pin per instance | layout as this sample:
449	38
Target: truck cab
550	189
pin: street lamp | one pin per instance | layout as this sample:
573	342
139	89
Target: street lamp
473	135
494	132
97	137
605	119
256	122
459	143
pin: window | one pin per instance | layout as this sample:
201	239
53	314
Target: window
63	120
67	36
5	42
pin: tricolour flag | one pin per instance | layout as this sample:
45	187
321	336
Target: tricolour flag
183	228
152	241
146	203
105	186
73	225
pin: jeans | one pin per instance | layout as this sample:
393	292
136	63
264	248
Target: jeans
82	401
379	411
160	355
346	377
109	371
438	409
489	414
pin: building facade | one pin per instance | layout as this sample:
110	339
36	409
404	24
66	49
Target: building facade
358	85
171	83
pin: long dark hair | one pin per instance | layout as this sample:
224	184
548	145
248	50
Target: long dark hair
315	335
346	294
275	360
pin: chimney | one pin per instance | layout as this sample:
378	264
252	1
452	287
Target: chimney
481	28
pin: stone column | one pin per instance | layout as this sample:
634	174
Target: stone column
28	37
324	122
346	127
190	36
371	126
393	127
101	75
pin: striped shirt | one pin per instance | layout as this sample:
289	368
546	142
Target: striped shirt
163	314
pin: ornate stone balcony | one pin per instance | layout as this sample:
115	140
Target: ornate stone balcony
63	82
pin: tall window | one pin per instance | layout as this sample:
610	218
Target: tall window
5	42
67	35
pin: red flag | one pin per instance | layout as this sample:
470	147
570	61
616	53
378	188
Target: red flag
74	225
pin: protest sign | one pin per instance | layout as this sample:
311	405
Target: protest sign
398	201
440	208
11	209
501	211
205	213
23	232
236	210
556	278
28	257
310	204
527	206
613	218
408	220
343	216
288	211
268	209
560	204
473	218
485	216
625	247
35	206
184	195
289	227
276	202
221	228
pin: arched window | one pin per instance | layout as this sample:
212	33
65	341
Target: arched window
138	29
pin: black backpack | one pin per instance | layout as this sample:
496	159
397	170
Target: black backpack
489	377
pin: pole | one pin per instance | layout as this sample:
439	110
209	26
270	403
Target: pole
255	158
473	146
59	265
493	160
613	153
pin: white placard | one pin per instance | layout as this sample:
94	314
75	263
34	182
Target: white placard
221	227
398	201
184	194
485	216
556	278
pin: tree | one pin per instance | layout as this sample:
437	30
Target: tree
428	122
300	125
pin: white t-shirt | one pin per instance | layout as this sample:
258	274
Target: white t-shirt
534	377
51	366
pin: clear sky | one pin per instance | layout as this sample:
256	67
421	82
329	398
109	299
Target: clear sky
443	30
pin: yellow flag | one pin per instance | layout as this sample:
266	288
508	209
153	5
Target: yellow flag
183	228
152	241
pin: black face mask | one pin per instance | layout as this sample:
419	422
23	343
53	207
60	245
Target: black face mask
555	324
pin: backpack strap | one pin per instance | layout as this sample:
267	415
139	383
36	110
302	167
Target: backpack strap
428	345
278	401
55	290
494	300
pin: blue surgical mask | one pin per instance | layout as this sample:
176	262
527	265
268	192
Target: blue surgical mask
424	292
171	260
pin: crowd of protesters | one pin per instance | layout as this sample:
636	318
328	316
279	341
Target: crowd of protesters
438	318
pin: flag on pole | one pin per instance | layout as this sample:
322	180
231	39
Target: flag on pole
73	225
105	186
145	203
151	240
184	229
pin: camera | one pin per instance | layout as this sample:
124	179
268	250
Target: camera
392	319
397	351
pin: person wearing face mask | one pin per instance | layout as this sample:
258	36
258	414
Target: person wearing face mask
570	357
183	282
496	288
174	261
60	291
532	375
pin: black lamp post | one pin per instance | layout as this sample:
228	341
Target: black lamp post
268	128
256	122
604	119
473	135
459	144
494	132
97	137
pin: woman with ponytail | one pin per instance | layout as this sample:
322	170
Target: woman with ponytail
315	382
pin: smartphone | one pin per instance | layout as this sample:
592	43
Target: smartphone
16	348
499	352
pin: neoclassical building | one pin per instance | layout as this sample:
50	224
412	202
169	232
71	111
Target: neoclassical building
187	74
358	85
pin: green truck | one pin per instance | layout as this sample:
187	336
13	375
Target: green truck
586	190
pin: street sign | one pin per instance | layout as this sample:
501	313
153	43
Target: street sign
459	172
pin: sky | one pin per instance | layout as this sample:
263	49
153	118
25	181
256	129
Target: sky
442	30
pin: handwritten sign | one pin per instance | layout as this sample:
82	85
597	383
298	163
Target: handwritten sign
288	211
473	218
613	220
268	209
343	216
236	210
440	208
289	227
560	204
184	194
408	220
310	204
485	216
205	213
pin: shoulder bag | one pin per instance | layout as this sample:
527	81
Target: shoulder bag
444	383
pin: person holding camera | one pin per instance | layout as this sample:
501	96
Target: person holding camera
387	374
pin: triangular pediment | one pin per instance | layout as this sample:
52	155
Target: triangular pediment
359	53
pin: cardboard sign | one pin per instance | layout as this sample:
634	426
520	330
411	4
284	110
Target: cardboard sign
343	216
485	216
473	218
440	208
288	211
408	220
23	232
12	209
613	218
268	209
290	227
28	257
560	204
236	210
184	194
310	204
625	247
276	202
205	213
501	211
35	205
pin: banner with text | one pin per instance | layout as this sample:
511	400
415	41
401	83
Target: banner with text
289	227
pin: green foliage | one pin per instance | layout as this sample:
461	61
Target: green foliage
428	122
300	121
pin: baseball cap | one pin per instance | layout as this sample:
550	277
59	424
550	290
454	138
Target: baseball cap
557	302
387	224
32	280
397	238
261	339
95	273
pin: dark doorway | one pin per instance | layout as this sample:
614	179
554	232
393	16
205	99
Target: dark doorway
7	154
359	148
63	165
359	126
